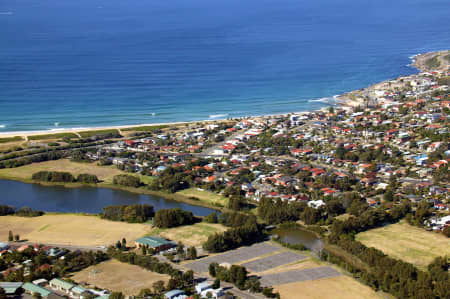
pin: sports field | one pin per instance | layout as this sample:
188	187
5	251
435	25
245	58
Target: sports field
69	229
406	242
119	277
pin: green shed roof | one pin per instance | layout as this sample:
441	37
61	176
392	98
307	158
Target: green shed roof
78	289
153	241
10	287
32	288
61	283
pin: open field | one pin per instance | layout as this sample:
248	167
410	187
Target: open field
406	242
119	277
24	173
11	139
190	235
340	287
86	134
69	229
205	196
52	136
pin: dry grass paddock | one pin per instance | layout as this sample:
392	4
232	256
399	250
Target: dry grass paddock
341	287
69	229
118	277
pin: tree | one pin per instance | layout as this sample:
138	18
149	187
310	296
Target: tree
212	269
192	253
216	284
389	195
116	295
446	231
2	293
17	238
158	287
180	250
124	243
10	236
118	245
36	295
144	250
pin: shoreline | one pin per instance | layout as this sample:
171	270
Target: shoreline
343	100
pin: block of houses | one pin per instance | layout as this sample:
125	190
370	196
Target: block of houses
156	243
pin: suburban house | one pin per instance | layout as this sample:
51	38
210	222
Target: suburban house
158	244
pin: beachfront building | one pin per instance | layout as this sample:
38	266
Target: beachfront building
156	243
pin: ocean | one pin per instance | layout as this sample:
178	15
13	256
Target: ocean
89	63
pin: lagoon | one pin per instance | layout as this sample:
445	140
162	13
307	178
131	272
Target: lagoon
82	199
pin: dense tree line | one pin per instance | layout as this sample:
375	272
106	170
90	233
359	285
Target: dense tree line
368	219
86	178
172	179
235	219
126	180
135	213
48	156
24	211
64	177
173	217
278	211
399	278
380	271
53	176
233	238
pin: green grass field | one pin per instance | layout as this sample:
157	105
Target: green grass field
145	128
11	139
24	173
409	243
86	134
52	136
205	196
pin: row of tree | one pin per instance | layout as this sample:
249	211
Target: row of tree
134	213
173	217
24	211
64	177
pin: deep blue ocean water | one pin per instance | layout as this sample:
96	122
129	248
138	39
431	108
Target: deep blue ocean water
78	63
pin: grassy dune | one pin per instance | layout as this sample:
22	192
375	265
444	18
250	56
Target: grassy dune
406	242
